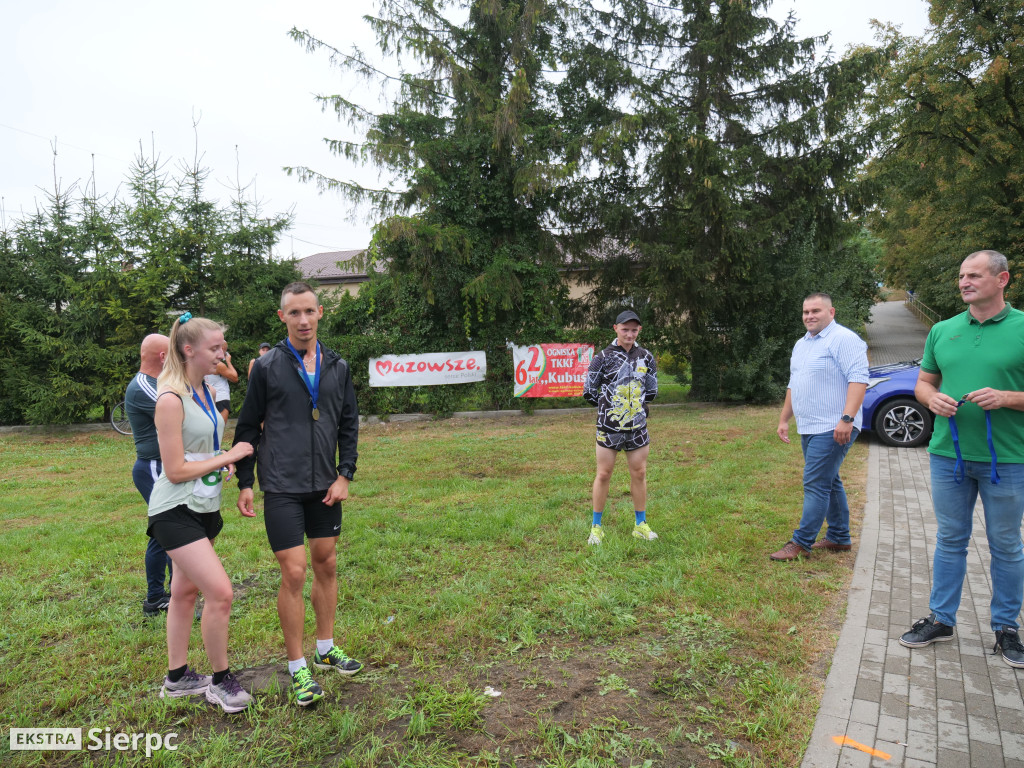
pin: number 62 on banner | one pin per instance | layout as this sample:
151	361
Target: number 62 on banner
551	370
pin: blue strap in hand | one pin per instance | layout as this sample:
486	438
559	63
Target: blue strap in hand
958	468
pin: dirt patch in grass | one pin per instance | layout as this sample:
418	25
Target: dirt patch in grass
576	705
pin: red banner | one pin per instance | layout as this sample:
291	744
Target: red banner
551	370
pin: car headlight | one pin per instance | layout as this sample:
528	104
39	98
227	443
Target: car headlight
876	382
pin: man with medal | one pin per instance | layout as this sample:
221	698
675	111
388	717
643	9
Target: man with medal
300	413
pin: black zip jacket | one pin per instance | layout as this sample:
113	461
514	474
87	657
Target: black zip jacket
294	453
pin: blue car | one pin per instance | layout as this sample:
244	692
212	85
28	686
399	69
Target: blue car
890	410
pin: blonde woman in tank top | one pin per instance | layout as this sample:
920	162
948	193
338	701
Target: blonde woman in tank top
184	509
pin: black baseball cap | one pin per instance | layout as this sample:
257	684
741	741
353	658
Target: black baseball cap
265	345
625	317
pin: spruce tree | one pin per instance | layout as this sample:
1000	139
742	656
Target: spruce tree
722	151
472	143
84	279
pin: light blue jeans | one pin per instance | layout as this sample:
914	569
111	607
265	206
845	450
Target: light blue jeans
824	495
954	512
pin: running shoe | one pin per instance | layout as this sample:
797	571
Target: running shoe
151	608
596	535
229	695
190	684
643	531
304	688
336	659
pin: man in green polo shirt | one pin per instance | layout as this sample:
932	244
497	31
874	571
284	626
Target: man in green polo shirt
972	379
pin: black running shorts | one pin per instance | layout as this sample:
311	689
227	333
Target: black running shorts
179	526
290	516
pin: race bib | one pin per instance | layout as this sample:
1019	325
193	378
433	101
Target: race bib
208	486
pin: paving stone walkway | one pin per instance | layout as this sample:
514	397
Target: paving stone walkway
951	704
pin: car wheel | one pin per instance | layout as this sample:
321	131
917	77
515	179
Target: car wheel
903	423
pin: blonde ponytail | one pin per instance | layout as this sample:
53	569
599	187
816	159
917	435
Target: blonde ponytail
186	331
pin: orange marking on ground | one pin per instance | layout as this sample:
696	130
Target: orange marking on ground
846	741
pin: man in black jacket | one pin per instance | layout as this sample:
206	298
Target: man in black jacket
300	412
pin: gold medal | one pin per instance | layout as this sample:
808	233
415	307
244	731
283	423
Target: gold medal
316	414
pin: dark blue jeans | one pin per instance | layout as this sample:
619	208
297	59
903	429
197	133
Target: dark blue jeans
144	474
824	495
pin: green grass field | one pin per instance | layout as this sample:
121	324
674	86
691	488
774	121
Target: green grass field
463	565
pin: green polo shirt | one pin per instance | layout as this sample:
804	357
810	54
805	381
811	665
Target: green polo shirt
969	355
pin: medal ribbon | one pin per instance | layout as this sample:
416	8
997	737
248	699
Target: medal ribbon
314	389
958	468
211	414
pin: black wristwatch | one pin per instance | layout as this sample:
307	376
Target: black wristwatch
847	419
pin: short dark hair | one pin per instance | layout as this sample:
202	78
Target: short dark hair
297	288
819	295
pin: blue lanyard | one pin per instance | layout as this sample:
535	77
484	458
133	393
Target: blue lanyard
314	388
958	469
210	414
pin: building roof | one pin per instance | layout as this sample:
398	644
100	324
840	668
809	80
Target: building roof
331	267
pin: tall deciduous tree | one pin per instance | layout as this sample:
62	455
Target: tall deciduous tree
722	151
953	174
472	142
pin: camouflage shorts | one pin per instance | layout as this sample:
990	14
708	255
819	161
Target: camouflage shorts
623	441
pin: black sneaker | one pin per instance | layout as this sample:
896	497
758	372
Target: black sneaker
151	609
1009	643
925	632
336	659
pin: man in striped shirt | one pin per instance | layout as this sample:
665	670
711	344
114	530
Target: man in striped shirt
828	376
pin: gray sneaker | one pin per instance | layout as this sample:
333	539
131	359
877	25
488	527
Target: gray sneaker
190	684
229	695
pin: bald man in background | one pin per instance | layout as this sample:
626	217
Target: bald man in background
139	403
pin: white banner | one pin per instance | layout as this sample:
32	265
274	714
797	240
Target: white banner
428	369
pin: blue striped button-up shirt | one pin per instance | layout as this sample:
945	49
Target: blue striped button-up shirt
820	371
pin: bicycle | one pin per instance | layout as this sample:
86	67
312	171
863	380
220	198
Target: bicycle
119	419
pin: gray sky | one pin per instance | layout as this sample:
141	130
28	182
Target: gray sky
100	77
